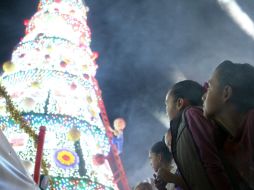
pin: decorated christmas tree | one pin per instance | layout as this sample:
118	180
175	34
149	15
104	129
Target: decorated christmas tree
51	81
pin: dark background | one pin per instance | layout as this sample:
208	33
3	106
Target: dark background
145	46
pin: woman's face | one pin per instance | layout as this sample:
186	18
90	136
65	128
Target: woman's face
213	99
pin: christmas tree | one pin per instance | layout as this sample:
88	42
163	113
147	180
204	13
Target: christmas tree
51	81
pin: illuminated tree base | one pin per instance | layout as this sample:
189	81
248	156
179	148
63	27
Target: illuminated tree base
60	152
60	183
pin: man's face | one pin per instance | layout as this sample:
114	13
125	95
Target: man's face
213	100
171	109
155	160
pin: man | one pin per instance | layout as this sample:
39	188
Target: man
230	102
193	143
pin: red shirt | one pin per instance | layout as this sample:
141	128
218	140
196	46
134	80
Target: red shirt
204	135
239	151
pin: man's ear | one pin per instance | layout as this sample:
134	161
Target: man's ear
227	93
180	103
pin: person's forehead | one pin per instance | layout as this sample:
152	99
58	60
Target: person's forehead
151	154
169	97
166	99
214	77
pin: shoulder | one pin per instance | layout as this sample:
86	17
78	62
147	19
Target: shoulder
196	119
251	114
194	112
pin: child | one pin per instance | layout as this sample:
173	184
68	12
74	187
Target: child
161	160
144	186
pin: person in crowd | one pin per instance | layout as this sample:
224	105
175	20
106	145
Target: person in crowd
193	140
230	102
160	157
144	186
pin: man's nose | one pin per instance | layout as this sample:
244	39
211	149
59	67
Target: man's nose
204	96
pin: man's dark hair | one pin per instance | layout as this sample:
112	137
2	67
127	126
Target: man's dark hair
161	148
189	90
240	77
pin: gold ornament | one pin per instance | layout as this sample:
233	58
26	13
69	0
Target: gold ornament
2	108
89	99
84	68
35	84
49	48
8	67
73	134
93	112
67	61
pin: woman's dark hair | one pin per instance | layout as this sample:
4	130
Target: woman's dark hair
240	78
161	148
189	90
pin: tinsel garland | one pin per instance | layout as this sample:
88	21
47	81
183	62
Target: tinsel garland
17	116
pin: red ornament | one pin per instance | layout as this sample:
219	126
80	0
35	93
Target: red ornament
86	76
26	22
63	64
98	159
58	1
95	55
47	56
73	86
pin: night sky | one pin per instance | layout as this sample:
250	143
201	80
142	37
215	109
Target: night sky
145	46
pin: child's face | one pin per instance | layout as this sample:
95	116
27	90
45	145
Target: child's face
168	139
141	188
144	186
155	160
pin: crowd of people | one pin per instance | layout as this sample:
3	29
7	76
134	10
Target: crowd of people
210	143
